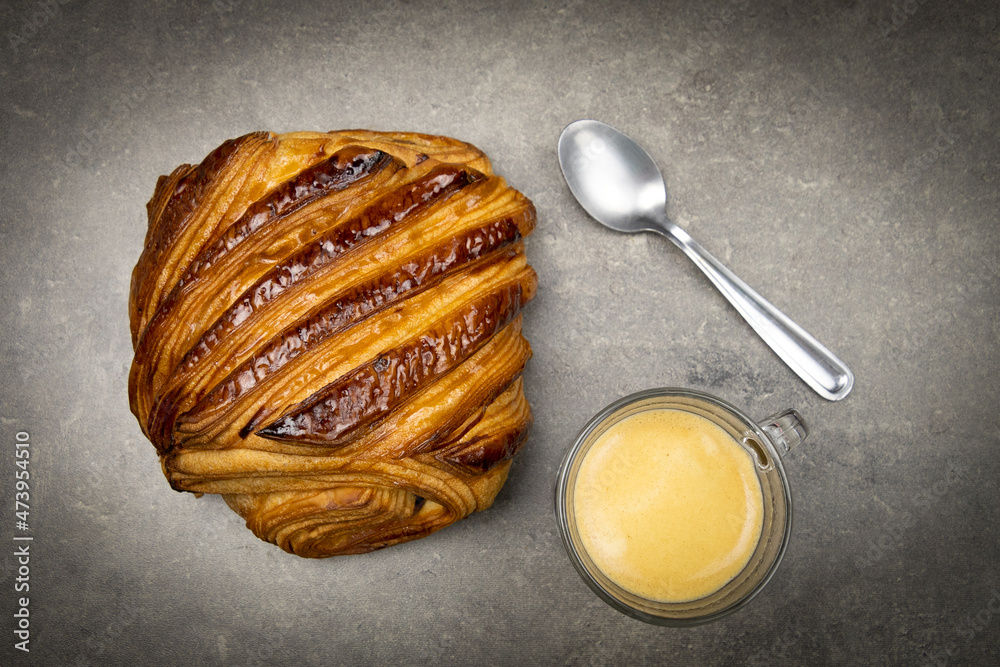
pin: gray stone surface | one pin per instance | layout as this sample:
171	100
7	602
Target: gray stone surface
841	157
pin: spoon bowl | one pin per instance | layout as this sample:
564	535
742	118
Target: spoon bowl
616	182
621	187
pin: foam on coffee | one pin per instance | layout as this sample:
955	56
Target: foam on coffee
668	505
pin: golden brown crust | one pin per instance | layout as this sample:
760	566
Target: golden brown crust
327	331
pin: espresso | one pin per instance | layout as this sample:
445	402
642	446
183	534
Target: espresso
668	505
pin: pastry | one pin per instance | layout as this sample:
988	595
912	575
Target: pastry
327	332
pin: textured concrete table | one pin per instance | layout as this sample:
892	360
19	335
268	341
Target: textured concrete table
841	157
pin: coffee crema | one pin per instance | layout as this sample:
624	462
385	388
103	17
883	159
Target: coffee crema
668	505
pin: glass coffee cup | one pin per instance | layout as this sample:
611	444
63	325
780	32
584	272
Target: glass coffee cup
762	444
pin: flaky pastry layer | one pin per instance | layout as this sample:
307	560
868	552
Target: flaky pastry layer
327	331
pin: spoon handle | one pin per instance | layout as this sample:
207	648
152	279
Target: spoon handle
817	366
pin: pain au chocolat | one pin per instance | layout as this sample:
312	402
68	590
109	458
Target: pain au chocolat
327	332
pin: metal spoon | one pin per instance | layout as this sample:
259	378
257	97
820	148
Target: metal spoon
618	184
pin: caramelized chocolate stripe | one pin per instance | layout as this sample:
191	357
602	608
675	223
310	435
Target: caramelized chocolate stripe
376	388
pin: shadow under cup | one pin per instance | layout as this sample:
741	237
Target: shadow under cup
765	442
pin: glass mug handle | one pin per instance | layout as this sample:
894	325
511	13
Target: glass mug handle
786	430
